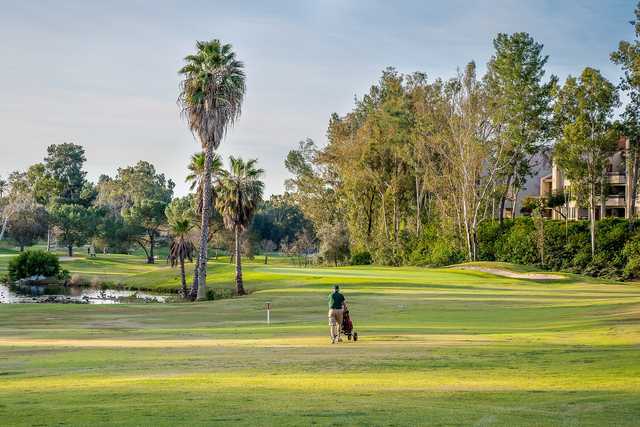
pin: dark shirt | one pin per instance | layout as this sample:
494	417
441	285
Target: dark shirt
336	299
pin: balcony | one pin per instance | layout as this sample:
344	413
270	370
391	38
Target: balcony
617	178
616	200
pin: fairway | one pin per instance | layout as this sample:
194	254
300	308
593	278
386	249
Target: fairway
438	346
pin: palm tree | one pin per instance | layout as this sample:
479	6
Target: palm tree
211	97
196	179
239	193
196	176
181	248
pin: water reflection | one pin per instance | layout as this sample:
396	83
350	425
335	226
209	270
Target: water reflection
17	294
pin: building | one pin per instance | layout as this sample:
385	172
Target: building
541	168
617	202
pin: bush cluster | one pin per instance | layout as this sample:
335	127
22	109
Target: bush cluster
567	246
34	263
361	258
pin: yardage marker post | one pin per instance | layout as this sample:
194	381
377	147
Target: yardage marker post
267	305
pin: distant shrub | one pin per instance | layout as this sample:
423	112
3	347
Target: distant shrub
34	263
219	293
361	258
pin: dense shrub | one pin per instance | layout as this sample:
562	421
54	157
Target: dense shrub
219	293
386	255
567	246
444	253
432	248
34	263
488	235
518	244
631	252
361	258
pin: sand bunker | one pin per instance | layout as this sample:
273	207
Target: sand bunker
511	274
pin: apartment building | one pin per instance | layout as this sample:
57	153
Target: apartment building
617	202
541	168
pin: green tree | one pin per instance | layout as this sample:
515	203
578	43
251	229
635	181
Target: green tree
628	58
43	188
584	108
279	218
141	195
28	224
239	193
180	221
211	96
334	242
63	165
146	218
76	224
520	103
310	187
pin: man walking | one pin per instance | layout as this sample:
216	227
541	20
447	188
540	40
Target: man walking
336	308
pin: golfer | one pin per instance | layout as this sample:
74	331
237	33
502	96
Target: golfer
336	308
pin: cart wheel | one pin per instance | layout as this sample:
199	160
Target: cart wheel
355	336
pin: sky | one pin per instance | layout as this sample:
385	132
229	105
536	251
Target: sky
103	74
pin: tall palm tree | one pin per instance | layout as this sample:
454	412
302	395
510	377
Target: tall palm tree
196	180
211	95
181	248
239	193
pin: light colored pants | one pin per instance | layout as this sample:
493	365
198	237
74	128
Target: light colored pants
335	322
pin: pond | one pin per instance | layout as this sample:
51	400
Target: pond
20	294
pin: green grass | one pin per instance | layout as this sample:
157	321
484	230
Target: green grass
438	347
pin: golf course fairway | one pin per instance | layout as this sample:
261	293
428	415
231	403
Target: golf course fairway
436	347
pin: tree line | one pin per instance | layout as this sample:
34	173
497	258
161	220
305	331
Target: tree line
419	164
55	202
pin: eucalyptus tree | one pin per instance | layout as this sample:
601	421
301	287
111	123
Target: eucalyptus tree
4	186
211	96
627	56
472	157
520	103
239	194
584	111
180	224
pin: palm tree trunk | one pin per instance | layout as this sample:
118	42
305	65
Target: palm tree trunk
193	293
239	285
204	225
183	278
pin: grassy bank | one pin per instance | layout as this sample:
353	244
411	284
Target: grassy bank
438	347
